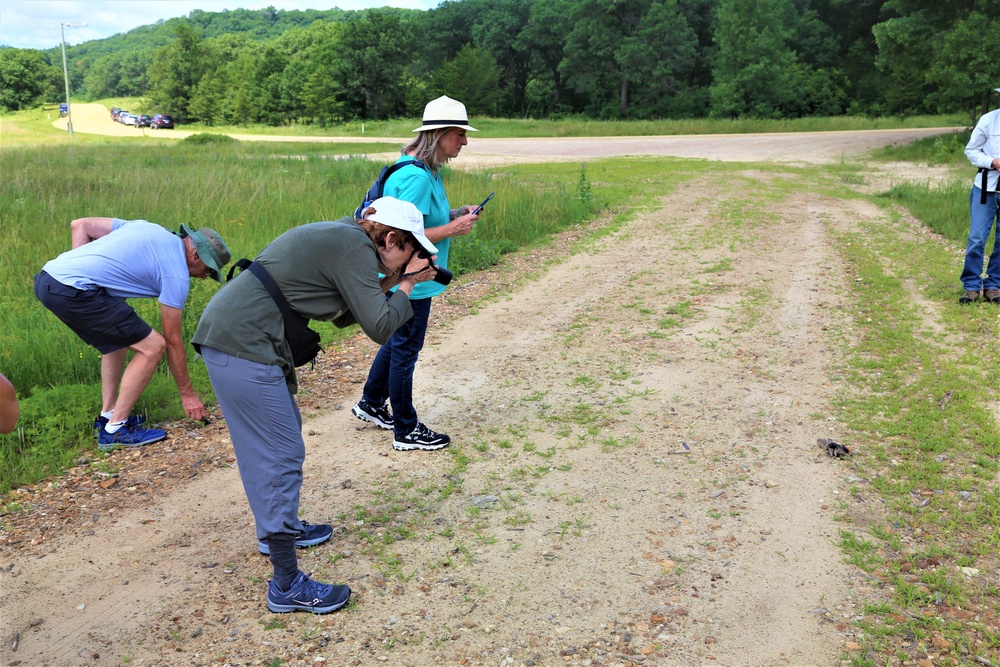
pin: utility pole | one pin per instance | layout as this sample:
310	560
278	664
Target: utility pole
62	29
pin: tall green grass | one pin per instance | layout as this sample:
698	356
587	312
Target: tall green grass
943	149
943	207
249	193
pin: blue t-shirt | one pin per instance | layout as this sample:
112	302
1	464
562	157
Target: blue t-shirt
426	191
136	260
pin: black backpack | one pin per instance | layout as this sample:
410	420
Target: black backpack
375	191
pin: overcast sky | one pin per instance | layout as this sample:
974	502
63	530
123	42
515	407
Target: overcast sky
35	24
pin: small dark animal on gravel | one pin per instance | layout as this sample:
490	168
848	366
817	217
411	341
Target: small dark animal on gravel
834	449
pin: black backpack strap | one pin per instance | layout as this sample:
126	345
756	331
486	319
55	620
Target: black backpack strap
378	187
393	168
291	318
241	265
983	185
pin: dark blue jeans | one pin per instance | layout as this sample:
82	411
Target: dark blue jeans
391	374
983	220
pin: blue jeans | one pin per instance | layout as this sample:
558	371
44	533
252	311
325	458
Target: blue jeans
983	219
391	374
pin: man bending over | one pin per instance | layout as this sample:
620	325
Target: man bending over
113	260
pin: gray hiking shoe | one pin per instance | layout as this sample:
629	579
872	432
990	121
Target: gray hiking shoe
970	296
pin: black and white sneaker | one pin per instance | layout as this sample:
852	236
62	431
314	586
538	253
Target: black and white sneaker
420	437
366	412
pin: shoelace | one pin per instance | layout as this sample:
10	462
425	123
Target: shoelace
127	432
379	411
315	589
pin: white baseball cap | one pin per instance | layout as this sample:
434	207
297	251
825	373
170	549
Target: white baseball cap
400	214
445	112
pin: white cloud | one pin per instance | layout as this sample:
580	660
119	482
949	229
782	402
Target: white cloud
35	24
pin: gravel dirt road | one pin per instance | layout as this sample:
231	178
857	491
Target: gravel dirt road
789	147
635	478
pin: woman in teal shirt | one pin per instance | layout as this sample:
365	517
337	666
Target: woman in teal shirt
439	139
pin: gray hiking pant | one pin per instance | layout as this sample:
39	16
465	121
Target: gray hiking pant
266	429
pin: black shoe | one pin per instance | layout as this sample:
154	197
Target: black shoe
366	412
420	437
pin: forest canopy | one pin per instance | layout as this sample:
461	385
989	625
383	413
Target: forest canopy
604	59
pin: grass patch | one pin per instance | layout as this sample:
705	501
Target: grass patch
922	400
250	193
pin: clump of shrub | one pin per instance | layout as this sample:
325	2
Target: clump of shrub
204	138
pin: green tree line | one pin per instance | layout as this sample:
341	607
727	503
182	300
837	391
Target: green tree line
541	58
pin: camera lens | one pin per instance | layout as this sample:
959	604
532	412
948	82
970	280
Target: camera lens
443	276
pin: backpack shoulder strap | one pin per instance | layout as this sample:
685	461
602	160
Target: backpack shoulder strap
240	264
393	168
272	288
266	280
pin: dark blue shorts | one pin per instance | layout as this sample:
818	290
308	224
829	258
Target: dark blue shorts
99	319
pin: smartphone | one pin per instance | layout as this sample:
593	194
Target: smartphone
485	201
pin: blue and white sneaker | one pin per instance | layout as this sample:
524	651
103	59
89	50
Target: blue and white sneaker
307	595
137	420
129	435
310	537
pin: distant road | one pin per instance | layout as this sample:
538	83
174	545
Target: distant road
789	147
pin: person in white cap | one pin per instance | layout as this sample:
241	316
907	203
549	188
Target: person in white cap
113	260
983	151
324	271
439	139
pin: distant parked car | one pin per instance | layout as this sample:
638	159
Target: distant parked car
114	113
130	119
143	121
162	121
120	116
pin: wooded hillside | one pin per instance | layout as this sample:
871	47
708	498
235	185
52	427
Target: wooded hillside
540	58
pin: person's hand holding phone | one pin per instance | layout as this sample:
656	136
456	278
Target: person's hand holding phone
466	218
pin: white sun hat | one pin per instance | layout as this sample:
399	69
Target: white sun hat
445	112
400	214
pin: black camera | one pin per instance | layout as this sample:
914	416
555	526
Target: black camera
443	276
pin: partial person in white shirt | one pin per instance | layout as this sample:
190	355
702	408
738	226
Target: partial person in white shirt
983	151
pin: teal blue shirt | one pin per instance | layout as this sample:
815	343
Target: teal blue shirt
426	191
